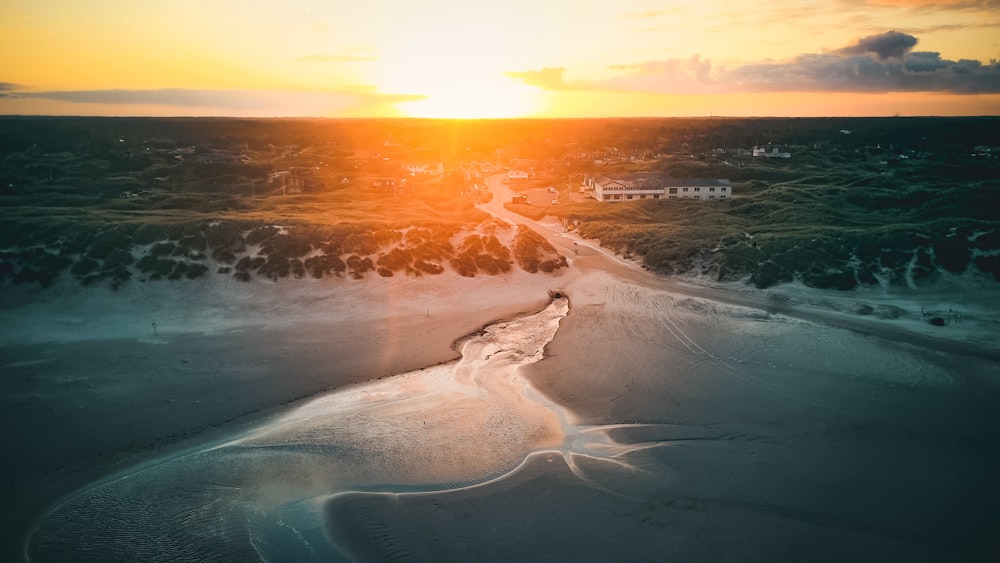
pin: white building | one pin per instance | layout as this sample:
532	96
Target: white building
773	153
698	188
623	189
425	169
635	188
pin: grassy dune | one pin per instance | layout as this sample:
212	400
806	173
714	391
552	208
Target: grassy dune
167	236
861	202
829	226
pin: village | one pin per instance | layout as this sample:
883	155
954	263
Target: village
596	162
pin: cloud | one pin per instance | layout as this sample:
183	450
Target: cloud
225	102
548	78
877	63
889	45
6	87
936	6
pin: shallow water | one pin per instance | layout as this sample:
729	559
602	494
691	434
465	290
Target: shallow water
720	434
262	494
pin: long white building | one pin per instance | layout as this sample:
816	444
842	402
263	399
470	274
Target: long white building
635	187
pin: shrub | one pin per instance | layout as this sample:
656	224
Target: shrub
224	237
223	255
286	246
533	253
830	279
952	253
84	267
320	265
361	244
989	265
156	267
260	234
427	267
163	249
465	265
397	259
190	244
769	274
358	266
195	271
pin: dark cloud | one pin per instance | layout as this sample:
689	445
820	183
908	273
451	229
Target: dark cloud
889	45
917	72
7	87
877	63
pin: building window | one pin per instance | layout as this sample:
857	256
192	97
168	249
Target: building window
711	197
724	189
673	197
711	189
685	189
697	189
674	190
656	196
722	197
629	196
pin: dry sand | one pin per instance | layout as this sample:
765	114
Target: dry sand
691	423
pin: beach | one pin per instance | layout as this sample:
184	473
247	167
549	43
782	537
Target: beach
659	419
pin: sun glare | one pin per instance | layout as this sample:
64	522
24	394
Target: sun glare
457	99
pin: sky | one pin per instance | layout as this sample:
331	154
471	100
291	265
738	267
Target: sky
487	59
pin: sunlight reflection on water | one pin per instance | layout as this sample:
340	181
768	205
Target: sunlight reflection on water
438	428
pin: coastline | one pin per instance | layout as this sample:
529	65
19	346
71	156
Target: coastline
312	334
115	395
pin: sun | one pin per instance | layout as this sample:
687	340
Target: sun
471	97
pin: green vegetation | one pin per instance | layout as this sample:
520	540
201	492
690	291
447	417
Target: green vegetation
861	202
834	230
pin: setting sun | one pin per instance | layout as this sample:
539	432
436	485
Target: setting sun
460	99
520	58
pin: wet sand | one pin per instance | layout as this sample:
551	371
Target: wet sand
92	391
733	428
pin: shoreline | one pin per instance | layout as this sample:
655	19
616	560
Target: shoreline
413	339
186	395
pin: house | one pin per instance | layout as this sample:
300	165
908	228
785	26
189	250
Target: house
733	151
697	188
639	187
295	181
517	175
426	169
623	188
773	153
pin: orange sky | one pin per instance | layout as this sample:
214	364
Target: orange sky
465	58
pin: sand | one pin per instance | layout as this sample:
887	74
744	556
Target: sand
94	391
664	420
